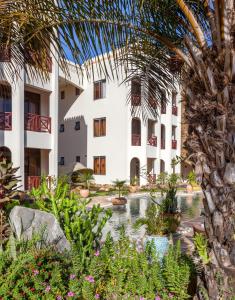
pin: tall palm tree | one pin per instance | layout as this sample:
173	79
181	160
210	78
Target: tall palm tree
193	40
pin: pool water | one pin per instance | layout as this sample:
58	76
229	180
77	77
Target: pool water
189	205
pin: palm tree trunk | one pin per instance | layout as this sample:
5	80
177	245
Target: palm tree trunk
211	145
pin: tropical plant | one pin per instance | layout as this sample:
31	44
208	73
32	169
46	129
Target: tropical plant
8	189
86	179
82	225
153	220
119	184
191	178
77	175
201	245
8	181
160	40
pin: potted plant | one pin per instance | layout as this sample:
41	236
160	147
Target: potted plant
119	184
134	184
169	204
191	179
155	228
85	179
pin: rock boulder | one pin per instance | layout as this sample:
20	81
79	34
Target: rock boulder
26	221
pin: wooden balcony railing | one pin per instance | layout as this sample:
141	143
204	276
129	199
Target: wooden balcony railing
152	141
5	54
35	181
37	123
136	100
31	57
174	110
152	178
136	140
5	121
152	102
174	144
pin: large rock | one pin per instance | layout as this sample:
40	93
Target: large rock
26	221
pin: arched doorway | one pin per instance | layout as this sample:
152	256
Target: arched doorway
136	132
5	153
162	166
135	171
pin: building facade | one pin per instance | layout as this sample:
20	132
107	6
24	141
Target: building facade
29	123
98	129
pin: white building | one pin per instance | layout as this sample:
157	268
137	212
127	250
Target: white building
29	123
96	128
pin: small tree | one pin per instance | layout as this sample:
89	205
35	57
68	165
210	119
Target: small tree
119	184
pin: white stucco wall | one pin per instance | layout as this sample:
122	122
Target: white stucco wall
116	145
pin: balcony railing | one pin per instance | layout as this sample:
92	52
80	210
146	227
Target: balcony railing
5	54
174	110
37	123
174	144
35	181
152	102
31	57
136	140
152	141
5	120
152	178
135	100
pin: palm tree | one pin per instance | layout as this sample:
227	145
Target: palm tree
164	42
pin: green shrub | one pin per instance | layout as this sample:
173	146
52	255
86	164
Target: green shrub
82	226
119	270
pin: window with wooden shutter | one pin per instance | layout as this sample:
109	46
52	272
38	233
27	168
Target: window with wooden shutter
102	165
99	165
99	89
100	127
96	127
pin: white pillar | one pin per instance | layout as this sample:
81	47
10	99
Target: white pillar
18	146
53	154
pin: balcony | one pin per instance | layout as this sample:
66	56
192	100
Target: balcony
135	100
174	110
5	121
152	141
174	144
5	54
31	58
136	140
35	181
37	123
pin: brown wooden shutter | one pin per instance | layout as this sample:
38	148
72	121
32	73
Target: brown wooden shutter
96	128
102	165
96	165
103	127
96	90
